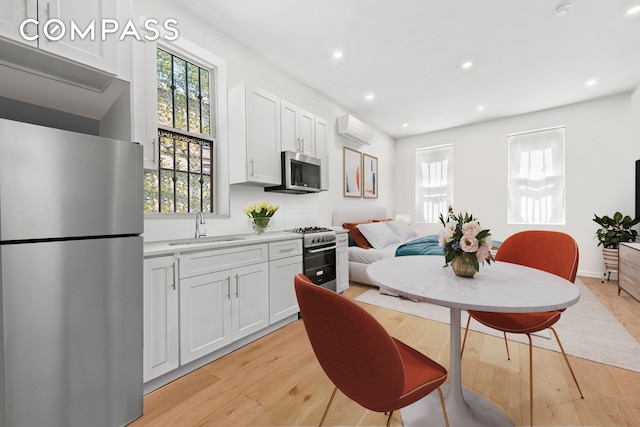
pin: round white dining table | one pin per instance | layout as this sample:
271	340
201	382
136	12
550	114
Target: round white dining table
499	287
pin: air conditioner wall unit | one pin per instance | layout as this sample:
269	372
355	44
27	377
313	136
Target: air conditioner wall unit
354	129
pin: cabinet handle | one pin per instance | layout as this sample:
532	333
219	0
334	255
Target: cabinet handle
251	163
237	286
302	144
153	146
48	11
27	15
228	287
175	276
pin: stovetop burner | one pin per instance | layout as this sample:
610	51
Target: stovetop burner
308	230
313	237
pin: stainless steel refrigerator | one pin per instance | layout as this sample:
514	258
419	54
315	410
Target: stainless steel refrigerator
70	278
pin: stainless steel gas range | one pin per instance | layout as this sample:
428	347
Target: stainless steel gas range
319	255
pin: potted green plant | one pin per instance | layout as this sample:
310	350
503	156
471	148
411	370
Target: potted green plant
612	231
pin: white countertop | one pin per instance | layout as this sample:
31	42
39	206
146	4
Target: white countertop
167	247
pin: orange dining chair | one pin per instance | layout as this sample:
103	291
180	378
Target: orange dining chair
550	251
369	366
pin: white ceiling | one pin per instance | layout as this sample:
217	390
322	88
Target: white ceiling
409	52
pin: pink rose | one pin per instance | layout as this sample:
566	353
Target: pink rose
469	244
451	226
483	253
471	228
442	238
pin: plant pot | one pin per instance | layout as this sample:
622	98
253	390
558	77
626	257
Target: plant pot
463	265
610	262
610	258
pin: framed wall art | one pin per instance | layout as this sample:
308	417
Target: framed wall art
369	177
352	167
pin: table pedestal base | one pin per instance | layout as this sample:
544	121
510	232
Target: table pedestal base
473	411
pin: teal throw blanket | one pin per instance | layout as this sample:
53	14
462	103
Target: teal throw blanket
425	245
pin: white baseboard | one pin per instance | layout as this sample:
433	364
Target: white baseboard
597	274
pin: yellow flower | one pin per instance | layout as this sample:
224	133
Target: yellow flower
260	209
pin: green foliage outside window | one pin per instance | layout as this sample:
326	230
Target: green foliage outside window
183	182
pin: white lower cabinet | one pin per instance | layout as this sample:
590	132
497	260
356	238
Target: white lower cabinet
250	300
342	262
161	339
205	314
221	307
285	261
224	296
197	303
282	295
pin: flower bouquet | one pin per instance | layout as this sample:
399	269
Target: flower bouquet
260	214
465	243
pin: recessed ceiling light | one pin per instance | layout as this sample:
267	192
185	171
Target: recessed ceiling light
591	82
481	107
369	97
466	65
337	54
633	10
404	125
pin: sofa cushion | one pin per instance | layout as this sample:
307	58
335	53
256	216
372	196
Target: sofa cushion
356	235
401	229
378	235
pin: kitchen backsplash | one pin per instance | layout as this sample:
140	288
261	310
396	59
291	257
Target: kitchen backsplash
295	211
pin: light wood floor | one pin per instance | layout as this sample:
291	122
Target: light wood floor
276	381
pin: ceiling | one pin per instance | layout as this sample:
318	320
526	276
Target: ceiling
408	53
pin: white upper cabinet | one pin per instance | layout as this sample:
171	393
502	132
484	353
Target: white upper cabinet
297	129
307	137
254	136
321	127
50	29
144	101
289	127
92	51
12	14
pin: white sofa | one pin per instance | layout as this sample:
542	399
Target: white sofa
358	269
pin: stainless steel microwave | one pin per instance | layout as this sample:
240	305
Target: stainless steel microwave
299	174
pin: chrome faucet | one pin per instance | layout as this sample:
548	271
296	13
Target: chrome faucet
200	220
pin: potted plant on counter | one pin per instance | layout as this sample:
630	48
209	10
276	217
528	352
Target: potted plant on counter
612	231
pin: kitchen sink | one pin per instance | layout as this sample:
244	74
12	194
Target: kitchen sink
206	240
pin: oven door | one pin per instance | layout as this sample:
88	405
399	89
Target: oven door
319	265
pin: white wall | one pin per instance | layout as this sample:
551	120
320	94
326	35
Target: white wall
635	118
599	168
245	65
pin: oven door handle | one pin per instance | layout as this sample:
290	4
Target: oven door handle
315	251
